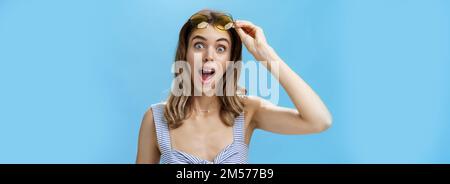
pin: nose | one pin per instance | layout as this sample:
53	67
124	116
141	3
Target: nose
209	55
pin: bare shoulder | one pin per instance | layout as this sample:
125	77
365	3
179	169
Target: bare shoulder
147	120
252	103
148	124
148	148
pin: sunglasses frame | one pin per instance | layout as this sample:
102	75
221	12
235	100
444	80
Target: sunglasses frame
204	23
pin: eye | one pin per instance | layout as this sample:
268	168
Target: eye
199	46
221	49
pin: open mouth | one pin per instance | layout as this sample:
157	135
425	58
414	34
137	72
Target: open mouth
207	74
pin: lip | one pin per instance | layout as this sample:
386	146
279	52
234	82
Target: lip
205	79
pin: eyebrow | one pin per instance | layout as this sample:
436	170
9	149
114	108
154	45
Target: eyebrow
203	38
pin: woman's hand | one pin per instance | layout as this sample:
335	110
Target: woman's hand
253	38
311	114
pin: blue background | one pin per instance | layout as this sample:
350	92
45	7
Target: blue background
77	76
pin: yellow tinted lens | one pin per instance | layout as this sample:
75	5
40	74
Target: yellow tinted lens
224	22
197	19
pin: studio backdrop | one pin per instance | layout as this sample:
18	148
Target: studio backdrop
76	76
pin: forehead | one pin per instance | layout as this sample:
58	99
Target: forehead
210	33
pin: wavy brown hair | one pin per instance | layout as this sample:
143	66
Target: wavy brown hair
178	107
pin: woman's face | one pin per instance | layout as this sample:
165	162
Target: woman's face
208	52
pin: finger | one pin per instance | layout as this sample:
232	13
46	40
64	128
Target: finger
240	32
259	35
251	29
244	36
247	28
250	32
244	23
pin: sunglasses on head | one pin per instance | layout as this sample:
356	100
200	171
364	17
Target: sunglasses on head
222	22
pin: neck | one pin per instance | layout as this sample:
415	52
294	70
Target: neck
205	104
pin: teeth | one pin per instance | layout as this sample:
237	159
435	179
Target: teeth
208	71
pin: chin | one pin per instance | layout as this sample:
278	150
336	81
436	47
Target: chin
204	92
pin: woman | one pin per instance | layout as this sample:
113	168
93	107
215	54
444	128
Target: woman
199	126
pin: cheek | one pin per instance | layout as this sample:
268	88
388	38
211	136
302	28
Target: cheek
190	57
224	66
221	66
224	56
